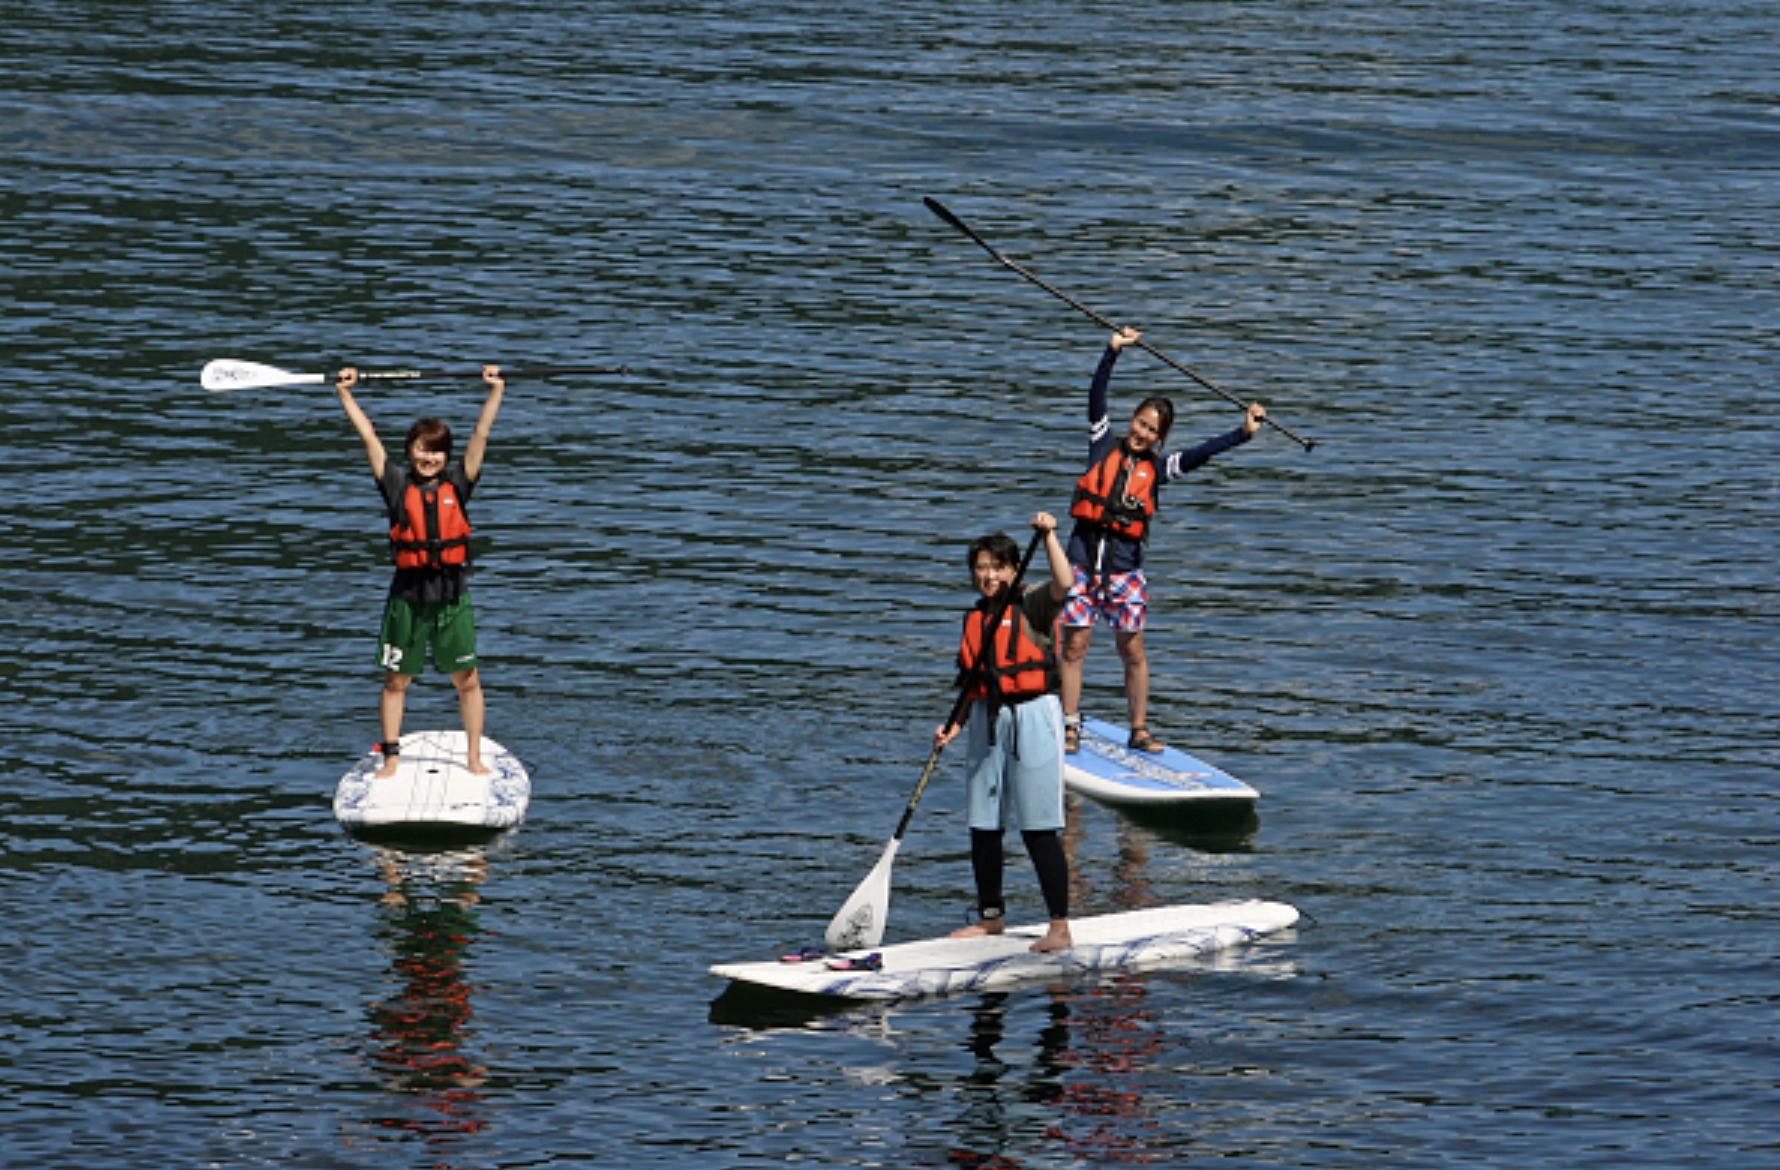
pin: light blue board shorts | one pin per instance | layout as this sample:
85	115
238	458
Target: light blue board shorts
1019	792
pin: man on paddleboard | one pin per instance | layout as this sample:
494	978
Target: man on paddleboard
1015	761
1115	501
429	533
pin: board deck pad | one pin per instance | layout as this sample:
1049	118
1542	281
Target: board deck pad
434	787
1135	940
1107	771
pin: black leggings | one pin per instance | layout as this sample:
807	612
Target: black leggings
1045	846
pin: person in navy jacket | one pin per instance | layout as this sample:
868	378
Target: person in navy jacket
1114	506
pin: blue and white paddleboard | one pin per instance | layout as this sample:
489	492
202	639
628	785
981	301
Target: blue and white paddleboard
1137	940
1107	771
433	787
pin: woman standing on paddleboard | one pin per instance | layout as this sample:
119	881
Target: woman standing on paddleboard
1114	504
1015	765
429	535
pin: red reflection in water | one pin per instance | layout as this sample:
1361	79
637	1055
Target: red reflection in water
420	1032
1098	1048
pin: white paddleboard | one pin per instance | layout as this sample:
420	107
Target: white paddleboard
1136	940
433	787
1107	771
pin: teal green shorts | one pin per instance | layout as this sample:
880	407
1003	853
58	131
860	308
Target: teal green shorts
410	627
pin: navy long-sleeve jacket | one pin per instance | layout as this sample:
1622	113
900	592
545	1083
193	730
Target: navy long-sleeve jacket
1094	548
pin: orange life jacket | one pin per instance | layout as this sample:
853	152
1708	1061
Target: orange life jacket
1118	494
432	531
1017	666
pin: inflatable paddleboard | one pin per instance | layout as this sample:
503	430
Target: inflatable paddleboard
1107	771
434	788
1137	940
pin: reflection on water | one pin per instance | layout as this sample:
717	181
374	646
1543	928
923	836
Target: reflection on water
419	1044
1132	889
1084	1088
1127	884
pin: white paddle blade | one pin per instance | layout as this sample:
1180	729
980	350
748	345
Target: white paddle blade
226	374
860	923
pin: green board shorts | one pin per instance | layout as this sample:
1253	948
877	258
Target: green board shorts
410	627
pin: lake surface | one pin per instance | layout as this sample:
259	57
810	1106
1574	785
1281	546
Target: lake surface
1501	654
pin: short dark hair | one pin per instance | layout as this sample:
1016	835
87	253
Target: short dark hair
431	434
1001	547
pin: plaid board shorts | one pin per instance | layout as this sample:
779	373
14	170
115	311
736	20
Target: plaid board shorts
1123	599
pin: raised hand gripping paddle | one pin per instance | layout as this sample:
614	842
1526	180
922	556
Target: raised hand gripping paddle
228	374
940	210
860	920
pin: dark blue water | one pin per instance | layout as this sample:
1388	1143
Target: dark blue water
1500	654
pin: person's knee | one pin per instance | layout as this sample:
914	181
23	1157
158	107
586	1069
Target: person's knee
467	681
1074	649
395	683
1131	649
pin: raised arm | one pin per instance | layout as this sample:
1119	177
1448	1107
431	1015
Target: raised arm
1180	462
478	445
1062	573
361	422
1098	423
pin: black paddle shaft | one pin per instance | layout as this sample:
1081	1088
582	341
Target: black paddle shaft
941	210
541	372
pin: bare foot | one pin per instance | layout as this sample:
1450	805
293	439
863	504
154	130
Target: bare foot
982	928
390	764
1056	939
478	768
